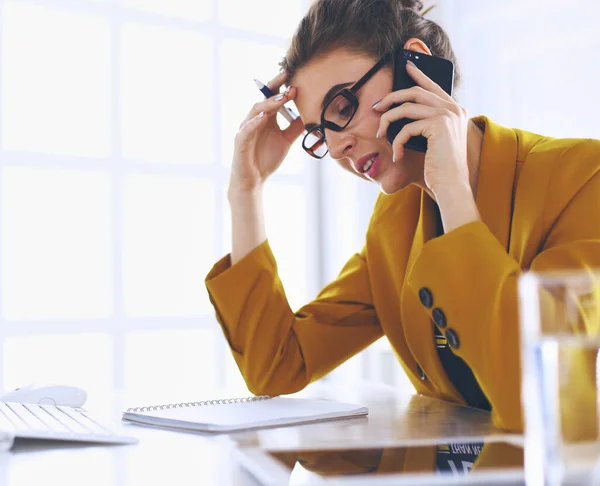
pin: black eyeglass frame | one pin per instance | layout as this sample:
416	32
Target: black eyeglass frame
350	95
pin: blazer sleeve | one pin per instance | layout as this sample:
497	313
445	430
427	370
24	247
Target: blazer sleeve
473	281
279	351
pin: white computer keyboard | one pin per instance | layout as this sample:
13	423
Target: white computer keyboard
30	421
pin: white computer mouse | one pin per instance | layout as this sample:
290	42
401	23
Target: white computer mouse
65	395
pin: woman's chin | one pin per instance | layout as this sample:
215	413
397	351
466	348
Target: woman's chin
387	191
393	183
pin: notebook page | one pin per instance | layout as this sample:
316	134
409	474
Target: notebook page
272	411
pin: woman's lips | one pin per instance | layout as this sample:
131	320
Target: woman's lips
372	172
364	164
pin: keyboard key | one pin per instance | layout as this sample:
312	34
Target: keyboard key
32	422
5	420
52	422
80	417
12	417
67	421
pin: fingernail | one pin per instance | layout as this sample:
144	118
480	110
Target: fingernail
394	158
377	136
279	97
261	114
412	64
376	104
288	89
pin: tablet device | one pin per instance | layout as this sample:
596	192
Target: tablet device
438	69
472	462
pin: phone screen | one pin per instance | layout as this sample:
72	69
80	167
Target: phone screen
438	69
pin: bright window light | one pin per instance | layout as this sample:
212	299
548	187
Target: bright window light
56	232
167	95
169	245
55	81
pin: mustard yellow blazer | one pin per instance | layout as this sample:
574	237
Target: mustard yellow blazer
539	200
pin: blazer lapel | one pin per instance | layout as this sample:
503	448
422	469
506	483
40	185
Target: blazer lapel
496	179
425	228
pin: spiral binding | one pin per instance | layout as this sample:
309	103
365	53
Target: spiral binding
223	401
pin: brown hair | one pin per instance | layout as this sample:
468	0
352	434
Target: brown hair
372	27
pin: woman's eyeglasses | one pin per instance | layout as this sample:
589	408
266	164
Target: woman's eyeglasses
338	113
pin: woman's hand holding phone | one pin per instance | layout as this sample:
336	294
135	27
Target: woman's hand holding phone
260	145
439	119
444	123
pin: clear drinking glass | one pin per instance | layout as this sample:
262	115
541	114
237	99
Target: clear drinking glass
560	339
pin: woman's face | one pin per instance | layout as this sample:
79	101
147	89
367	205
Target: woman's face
357	143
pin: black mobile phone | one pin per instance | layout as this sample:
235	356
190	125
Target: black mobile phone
438	69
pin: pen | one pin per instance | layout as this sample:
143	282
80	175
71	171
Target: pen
289	114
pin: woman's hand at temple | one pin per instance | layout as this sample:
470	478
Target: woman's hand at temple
445	124
260	145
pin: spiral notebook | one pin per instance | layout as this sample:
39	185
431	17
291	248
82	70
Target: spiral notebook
231	415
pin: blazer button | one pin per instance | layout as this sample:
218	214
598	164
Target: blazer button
439	318
422	374
426	297
452	338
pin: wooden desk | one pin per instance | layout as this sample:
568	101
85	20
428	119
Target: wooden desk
177	458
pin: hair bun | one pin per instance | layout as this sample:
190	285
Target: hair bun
414	5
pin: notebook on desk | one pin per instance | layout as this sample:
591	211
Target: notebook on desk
233	415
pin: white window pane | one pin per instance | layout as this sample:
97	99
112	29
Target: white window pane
83	360
170	366
169	245
252	61
167	99
289	238
270	17
530	100
55	81
185	9
56	259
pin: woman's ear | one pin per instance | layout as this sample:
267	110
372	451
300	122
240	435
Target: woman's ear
417	45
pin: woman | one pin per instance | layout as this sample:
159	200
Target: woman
449	236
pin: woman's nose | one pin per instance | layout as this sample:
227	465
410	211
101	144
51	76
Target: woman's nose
340	144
